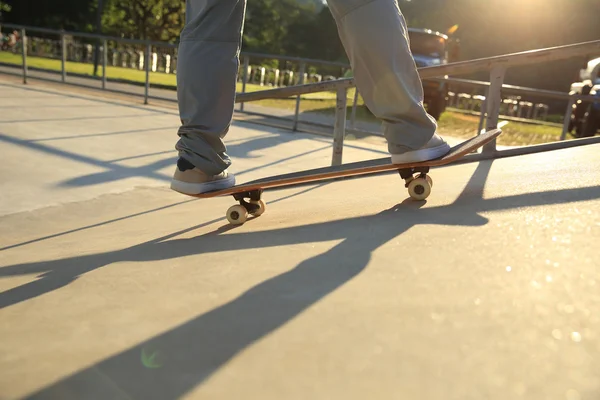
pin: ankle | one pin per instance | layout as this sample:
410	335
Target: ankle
184	164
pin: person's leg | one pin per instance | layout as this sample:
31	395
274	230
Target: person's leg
207	66
375	37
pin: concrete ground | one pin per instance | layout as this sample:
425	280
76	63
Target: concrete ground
114	287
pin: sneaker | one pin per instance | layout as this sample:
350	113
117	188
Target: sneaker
189	180
435	148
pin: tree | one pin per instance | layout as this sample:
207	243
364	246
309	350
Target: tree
72	15
315	37
4	8
268	22
159	20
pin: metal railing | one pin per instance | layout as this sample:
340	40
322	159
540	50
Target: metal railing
146	55
571	99
496	66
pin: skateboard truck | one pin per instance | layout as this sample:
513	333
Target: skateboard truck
419	186
238	214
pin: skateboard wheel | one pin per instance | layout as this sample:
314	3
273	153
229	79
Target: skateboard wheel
429	180
237	214
262	208
419	189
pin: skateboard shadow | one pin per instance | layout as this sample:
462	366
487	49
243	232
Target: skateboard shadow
171	364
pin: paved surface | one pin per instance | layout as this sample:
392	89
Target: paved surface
114	287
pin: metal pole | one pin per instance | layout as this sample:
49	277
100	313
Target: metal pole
483	111
245	78
298	98
494	99
98	31
567	119
147	61
353	116
339	129
63	56
104	62
24	54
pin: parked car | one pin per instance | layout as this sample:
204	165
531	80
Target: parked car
431	48
585	118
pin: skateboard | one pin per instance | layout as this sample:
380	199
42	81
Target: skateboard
415	175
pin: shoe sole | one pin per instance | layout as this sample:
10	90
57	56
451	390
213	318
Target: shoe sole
199	188
421	155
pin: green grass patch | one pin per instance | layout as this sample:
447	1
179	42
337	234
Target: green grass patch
132	75
513	134
88	69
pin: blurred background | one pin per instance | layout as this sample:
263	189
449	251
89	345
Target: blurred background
288	42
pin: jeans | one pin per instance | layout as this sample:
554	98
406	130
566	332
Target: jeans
374	36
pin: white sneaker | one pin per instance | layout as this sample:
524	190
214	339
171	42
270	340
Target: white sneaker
190	180
435	148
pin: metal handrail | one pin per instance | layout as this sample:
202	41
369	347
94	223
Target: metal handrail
91	35
284	92
513	59
457	68
497	67
550	94
169	45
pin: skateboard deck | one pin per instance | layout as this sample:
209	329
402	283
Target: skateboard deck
416	177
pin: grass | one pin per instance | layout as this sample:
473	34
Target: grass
129	74
513	134
450	123
88	69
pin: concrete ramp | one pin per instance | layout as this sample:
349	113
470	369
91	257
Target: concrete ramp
114	287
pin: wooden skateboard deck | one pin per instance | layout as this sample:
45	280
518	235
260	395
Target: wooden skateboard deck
419	187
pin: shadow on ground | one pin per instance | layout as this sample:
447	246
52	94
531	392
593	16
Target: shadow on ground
113	171
171	364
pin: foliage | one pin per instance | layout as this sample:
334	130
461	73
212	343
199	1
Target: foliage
267	24
4	8
74	15
159	20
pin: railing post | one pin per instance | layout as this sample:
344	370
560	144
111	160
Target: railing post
353	115
147	65
104	62
339	130
63	56
483	111
24	54
494	100
567	119
245	78
298	98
